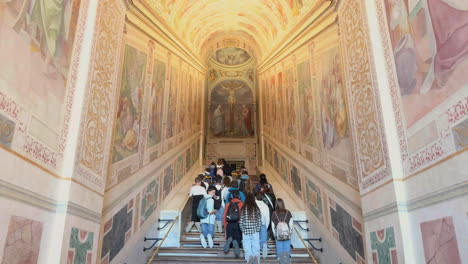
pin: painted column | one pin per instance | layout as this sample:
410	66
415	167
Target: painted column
90	147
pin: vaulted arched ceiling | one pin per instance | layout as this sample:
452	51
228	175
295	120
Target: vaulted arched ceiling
266	21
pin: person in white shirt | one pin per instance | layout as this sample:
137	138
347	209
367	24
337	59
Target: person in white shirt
208	222
265	212
196	192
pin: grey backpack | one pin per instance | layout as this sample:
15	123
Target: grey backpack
282	229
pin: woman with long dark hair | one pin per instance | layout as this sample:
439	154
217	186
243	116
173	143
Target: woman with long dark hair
269	197
226	186
263	180
250	224
265	223
282	224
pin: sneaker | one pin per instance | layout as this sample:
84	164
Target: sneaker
227	245
235	244
210	241
203	241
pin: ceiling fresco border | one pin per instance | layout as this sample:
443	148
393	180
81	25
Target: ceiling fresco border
230	66
230	39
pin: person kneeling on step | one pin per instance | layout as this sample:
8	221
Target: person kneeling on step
207	215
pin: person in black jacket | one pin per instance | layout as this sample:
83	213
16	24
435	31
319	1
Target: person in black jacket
259	185
269	197
227	170
233	231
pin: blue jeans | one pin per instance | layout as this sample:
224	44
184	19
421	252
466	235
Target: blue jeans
219	214
207	229
251	246
283	246
263	236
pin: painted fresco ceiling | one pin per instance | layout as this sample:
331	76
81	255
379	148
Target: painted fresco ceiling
267	21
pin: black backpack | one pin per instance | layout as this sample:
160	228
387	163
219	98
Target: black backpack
217	199
233	214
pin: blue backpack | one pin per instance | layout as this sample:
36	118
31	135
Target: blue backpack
202	211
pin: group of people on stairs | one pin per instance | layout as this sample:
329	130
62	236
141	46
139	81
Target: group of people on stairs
247	216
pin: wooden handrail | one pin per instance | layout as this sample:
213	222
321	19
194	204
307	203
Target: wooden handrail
305	245
162	241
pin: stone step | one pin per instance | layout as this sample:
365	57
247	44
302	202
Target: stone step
188	260
216	255
199	250
196	240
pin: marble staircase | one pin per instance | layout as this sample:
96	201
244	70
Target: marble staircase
191	251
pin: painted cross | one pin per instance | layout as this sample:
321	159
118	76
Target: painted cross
383	246
81	247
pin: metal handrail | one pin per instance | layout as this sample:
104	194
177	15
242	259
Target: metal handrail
305	245
162	241
157	239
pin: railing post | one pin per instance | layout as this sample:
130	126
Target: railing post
308	240
168	221
306	247
162	240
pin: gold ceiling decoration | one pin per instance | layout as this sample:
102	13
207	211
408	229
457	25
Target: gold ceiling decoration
268	22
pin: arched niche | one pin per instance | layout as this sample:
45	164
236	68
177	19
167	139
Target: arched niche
232	110
231	56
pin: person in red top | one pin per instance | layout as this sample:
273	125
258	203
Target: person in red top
233	231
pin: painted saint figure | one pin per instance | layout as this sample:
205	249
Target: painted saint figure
247	121
218	122
46	22
334	120
450	25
